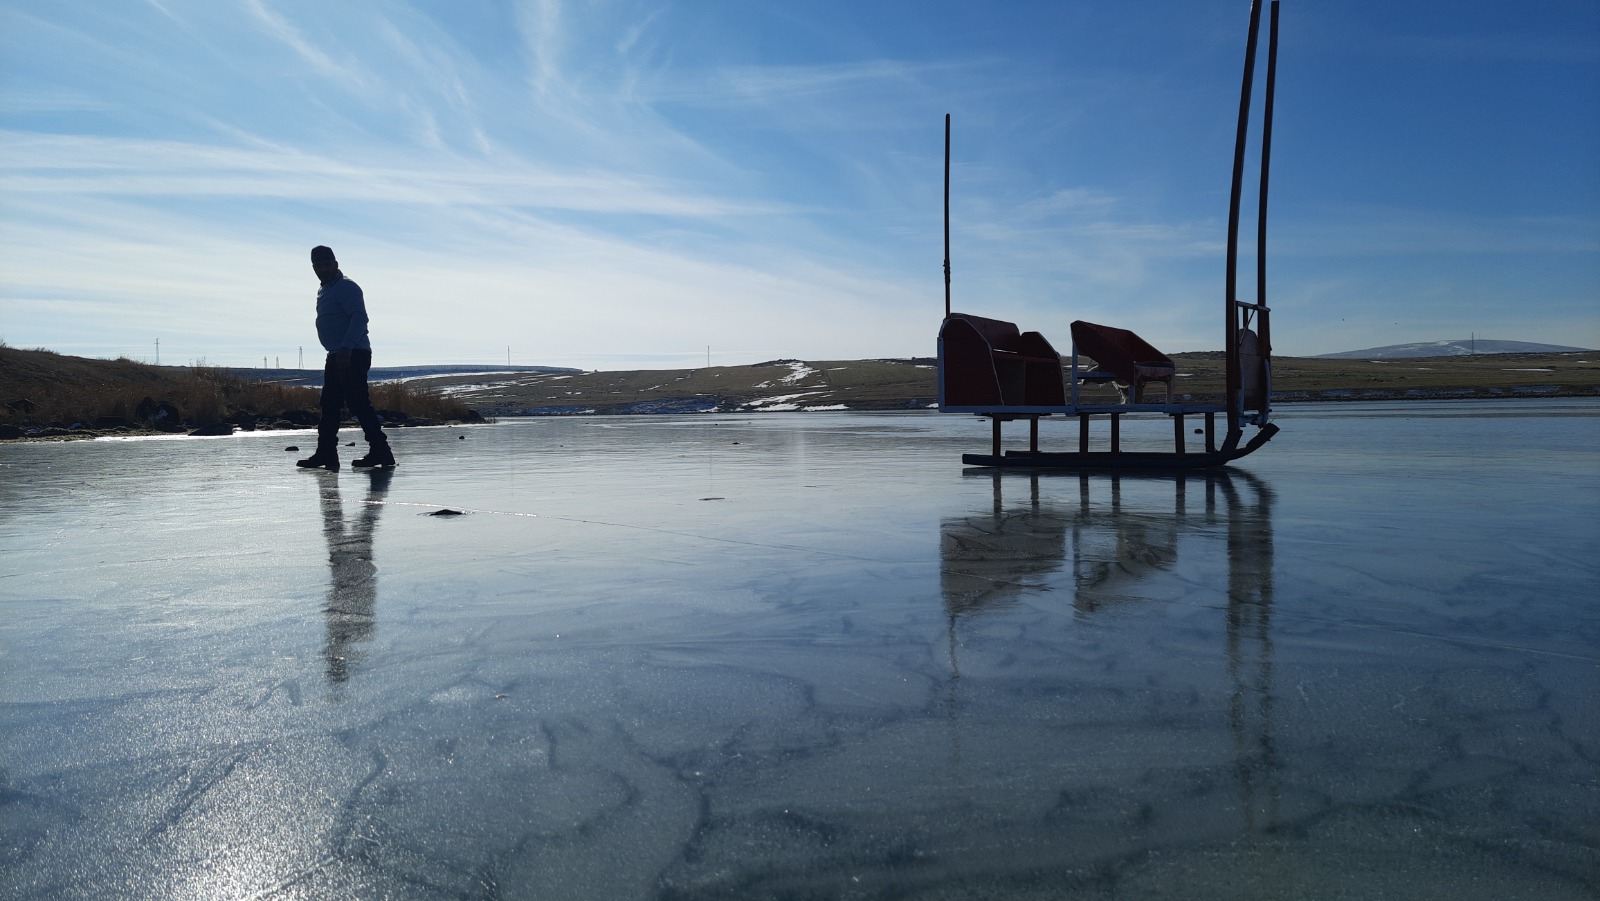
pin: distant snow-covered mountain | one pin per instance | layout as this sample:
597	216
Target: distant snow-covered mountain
1457	348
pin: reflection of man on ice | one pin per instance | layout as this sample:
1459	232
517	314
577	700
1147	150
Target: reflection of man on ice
352	605
342	329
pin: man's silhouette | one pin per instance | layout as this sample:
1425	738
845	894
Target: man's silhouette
342	329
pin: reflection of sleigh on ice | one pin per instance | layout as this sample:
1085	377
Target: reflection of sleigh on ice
990	368
1124	529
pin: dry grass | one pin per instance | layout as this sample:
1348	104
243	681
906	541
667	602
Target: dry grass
910	384
1480	375
857	384
65	390
75	390
419	402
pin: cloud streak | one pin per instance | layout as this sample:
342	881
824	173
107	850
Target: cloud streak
320	62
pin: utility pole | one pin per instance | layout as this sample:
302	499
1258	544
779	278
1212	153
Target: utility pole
158	351
708	356
302	357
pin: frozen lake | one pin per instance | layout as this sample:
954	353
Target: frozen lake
807	656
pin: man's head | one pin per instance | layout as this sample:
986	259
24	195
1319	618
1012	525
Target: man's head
324	264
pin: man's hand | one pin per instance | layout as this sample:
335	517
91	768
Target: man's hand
341	358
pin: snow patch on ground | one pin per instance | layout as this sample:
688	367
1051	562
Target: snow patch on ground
440	375
798	372
780	402
458	390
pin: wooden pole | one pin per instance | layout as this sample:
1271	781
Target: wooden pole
1262	325
1232	284
947	215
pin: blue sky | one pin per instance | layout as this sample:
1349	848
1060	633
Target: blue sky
619	184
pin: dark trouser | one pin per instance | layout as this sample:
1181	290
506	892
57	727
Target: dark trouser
348	388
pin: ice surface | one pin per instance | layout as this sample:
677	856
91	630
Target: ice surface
806	655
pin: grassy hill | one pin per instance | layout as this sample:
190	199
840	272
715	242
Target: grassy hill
910	384
43	389
1460	347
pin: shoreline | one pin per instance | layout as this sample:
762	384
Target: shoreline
68	433
48	396
1416	396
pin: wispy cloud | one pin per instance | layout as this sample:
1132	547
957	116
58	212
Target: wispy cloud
323	63
780	84
52	100
70	165
541	22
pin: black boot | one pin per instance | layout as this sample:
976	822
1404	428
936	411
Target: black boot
377	455
325	458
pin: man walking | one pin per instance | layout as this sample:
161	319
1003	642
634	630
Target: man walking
342	329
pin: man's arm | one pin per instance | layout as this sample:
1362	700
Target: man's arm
355	306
